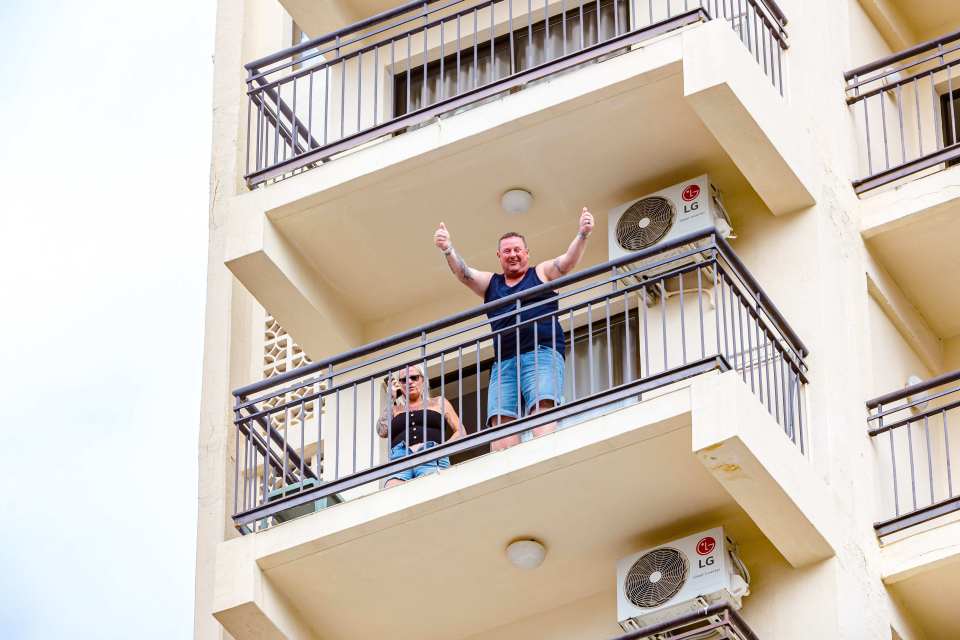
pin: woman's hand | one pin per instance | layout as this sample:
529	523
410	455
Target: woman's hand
451	417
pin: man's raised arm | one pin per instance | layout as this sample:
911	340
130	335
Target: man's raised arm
476	281
567	262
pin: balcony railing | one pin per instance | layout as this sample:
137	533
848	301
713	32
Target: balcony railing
907	111
917	433
402	67
715	621
631	325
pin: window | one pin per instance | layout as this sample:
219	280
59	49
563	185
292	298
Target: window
950	120
526	47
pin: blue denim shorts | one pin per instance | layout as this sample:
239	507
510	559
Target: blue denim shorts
401	450
541	378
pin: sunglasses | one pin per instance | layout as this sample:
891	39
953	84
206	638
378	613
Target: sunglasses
412	378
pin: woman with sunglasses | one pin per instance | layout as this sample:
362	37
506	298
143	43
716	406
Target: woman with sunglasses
403	423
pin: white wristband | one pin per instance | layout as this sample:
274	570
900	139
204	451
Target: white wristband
448	251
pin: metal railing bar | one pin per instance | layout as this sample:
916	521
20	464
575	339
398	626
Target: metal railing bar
285	110
470	96
902	55
894	173
723	609
486	436
914	389
889	86
773	28
761	296
274	436
366	36
798	364
333	35
600	288
443	323
796	359
893	71
272	459
775	11
916	418
248	402
922	514
914	403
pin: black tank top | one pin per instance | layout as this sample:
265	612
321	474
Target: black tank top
549	333
398	427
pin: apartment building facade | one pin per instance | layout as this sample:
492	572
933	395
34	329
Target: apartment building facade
762	336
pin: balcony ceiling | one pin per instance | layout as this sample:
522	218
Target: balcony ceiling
378	239
426	571
921	569
930	597
921	254
929	19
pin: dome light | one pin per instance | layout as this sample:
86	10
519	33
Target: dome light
526	554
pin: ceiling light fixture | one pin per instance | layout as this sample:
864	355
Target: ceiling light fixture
526	554
516	201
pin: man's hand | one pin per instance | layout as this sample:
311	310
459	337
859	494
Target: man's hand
586	223
476	281
441	238
565	263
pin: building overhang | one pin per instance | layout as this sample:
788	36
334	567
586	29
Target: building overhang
921	566
681	460
904	23
912	233
689	102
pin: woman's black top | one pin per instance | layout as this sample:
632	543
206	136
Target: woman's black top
398	427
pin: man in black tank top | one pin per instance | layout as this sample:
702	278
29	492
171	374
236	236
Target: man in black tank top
527	373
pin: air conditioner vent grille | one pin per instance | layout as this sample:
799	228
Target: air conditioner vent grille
656	577
645	223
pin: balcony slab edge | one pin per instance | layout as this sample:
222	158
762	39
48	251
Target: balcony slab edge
747	452
754	125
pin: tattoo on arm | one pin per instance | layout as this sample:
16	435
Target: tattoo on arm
465	272
556	265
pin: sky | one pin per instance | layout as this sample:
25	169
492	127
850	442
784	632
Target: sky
105	119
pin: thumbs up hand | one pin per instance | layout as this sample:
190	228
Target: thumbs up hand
441	238
586	223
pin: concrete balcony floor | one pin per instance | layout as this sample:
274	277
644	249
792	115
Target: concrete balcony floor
426	559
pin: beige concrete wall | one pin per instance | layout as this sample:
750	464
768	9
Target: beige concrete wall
812	263
233	321
893	359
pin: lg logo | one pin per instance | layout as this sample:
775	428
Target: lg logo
690	192
706	545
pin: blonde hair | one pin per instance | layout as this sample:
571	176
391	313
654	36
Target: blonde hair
425	390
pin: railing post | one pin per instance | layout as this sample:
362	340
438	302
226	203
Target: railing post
236	452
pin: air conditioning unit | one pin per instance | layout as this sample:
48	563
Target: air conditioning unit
687	207
678	578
